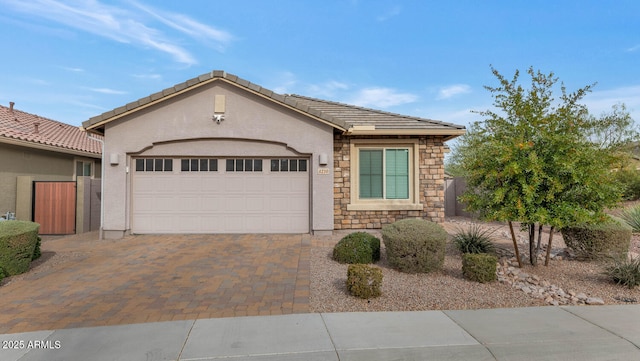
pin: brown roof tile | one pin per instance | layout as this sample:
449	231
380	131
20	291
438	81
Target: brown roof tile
19	125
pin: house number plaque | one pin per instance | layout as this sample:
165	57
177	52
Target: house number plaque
323	170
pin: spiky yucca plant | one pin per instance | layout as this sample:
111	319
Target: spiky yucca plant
625	271
474	239
632	217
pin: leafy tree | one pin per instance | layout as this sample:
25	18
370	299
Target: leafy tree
534	159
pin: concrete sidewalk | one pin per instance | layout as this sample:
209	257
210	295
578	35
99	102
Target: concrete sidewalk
540	333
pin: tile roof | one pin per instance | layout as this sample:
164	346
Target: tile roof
30	128
341	116
358	116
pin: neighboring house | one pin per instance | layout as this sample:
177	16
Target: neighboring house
34	148
218	154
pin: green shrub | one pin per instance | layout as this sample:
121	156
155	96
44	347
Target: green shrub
415	245
632	217
474	239
479	267
625	271
629	180
37	253
364	281
596	241
358	247
2	274
17	245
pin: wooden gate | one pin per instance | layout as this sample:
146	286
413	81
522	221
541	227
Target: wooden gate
54	207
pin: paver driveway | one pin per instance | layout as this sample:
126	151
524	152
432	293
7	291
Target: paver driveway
87	282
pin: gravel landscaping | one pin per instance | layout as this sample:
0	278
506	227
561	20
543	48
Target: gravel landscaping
567	280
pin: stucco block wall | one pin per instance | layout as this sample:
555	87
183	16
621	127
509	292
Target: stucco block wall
18	161
431	186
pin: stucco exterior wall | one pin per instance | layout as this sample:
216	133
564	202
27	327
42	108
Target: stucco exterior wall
183	126
431	186
41	165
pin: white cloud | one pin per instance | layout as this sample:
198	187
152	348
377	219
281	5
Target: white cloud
286	81
188	26
123	25
72	69
147	76
327	89
633	48
600	102
107	91
453	90
379	97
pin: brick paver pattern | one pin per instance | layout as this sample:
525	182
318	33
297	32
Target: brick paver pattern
149	278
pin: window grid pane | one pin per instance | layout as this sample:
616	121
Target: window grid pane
158	164
230	165
213	165
371	178
397	173
168	165
302	165
257	165
148	165
139	165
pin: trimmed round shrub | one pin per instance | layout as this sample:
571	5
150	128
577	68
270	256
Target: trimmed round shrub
597	241
415	245
18	241
37	253
474	239
358	247
364	281
479	267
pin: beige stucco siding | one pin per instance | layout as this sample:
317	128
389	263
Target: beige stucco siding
183	126
20	161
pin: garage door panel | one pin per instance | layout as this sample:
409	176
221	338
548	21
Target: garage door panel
220	202
278	204
255	204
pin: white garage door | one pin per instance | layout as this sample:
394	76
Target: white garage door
208	195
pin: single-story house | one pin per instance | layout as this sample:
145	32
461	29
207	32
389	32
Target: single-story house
38	149
219	154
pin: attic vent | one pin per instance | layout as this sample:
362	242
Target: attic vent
11	104
35	128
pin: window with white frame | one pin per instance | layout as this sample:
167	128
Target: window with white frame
384	175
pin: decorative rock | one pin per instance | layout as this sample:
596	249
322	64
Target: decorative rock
509	273
594	301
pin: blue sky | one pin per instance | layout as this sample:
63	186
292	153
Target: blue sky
74	59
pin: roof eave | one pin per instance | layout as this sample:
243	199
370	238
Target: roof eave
447	133
97	128
52	148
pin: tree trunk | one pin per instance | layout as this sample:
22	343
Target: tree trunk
539	240
533	259
546	261
515	244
